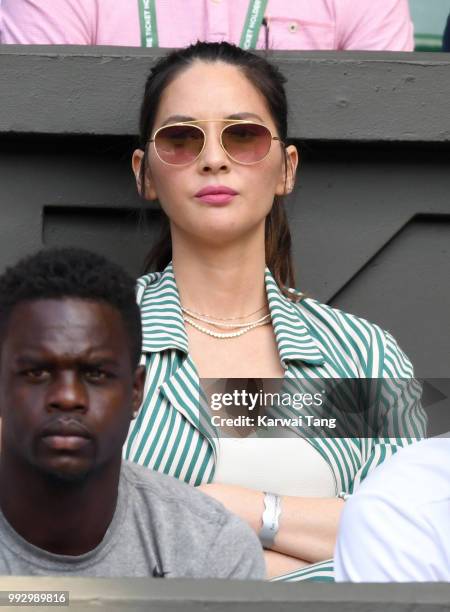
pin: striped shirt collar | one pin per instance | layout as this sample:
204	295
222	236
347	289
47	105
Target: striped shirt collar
163	327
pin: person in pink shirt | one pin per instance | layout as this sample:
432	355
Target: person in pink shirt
373	25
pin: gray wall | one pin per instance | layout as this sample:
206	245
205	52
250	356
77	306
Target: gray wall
370	214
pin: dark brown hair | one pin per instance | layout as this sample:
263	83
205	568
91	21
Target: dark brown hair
269	81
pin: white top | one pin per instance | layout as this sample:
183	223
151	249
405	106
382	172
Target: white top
397	526
286	466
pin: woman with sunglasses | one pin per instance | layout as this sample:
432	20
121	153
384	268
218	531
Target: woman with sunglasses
213	152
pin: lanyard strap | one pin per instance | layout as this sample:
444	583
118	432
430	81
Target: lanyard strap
249	37
149	28
252	25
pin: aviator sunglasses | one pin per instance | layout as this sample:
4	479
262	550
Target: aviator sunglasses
245	142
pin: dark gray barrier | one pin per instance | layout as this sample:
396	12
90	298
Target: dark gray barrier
222	596
346	96
370	215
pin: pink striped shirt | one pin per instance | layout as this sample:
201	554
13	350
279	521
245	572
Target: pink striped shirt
291	24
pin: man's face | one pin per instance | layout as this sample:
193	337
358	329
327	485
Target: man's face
67	386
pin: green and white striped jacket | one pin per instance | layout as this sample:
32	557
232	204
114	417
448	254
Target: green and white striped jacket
314	341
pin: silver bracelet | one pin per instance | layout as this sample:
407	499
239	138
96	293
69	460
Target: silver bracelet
270	518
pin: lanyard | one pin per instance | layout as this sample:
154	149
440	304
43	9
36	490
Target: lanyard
252	25
249	36
149	29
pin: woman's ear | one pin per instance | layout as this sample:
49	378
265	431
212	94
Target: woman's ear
287	178
148	191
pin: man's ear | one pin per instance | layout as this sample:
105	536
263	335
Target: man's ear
147	191
138	389
287	177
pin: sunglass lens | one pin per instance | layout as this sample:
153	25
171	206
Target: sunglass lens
179	144
246	143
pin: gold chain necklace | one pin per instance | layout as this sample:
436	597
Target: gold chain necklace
198	315
223	336
220	323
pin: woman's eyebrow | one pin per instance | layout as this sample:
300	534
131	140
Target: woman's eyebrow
245	116
182	118
177	119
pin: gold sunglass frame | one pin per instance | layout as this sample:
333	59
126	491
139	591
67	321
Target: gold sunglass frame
229	122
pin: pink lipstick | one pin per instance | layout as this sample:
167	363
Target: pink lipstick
216	194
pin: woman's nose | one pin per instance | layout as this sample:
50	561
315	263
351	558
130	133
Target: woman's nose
213	158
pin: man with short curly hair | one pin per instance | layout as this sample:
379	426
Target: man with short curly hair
70	338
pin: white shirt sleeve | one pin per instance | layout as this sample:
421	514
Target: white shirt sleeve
381	541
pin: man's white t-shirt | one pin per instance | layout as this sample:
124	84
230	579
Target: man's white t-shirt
397	526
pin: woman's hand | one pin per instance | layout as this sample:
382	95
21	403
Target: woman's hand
308	525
